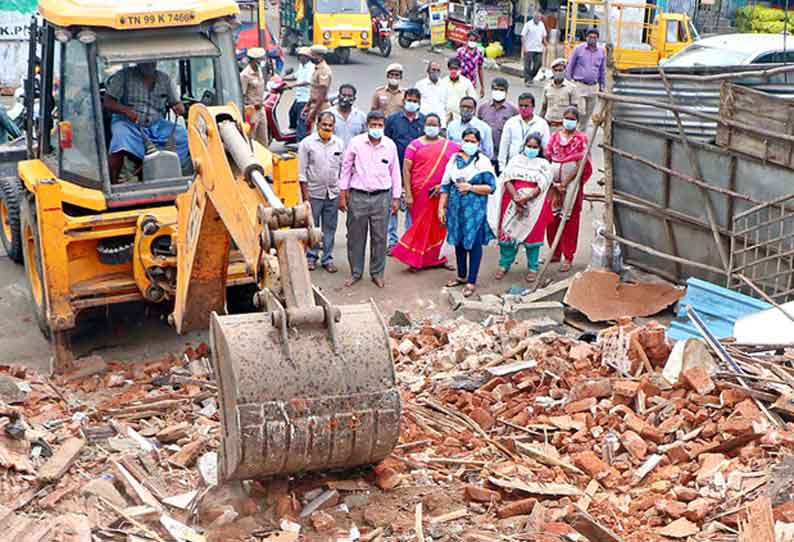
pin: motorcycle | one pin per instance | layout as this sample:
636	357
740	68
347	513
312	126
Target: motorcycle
381	35
413	28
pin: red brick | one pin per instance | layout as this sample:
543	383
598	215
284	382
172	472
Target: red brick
481	494
517	508
784	512
731	397
699	380
387	478
685	494
483	418
698	509
583	405
590	463
323	521
635	444
626	388
678	454
591	388
673	509
709	465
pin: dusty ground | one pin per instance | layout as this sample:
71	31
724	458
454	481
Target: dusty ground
133	332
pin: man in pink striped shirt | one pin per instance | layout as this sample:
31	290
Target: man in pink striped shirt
370	188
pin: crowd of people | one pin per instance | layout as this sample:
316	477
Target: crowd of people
464	169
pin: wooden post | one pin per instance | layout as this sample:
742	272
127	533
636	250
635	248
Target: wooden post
696	169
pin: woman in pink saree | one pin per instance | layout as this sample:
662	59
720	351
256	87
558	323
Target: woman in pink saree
425	161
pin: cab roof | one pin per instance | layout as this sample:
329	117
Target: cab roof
134	15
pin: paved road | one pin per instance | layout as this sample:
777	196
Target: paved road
135	332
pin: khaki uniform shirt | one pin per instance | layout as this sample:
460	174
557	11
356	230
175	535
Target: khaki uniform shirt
387	100
322	77
557	98
253	83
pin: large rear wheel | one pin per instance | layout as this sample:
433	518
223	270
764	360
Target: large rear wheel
11	190
405	40
31	247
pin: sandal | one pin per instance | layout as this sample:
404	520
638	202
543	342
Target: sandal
330	268
532	276
565	266
312	266
500	273
454	283
469	290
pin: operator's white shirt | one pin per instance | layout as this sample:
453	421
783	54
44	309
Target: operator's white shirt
533	34
434	98
303	75
515	132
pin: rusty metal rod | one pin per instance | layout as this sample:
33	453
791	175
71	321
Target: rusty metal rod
766	297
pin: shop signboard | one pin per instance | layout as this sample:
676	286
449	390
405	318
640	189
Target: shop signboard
438	22
492	17
457	32
14	31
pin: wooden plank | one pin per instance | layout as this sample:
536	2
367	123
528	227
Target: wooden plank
759	525
134	489
156	486
57	465
537	488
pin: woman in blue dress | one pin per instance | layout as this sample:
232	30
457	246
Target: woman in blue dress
468	181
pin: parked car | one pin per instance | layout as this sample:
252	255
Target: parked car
734	50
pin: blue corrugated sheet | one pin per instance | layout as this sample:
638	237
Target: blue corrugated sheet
718	307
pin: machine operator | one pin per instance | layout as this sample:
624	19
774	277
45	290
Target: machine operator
139	97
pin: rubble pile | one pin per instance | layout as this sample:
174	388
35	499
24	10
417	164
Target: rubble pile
511	431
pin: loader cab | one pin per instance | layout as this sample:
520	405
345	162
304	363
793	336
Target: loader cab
75	129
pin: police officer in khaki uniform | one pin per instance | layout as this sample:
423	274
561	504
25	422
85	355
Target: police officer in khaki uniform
388	99
320	84
558	94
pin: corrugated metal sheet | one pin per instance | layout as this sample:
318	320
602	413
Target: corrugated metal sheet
701	95
718	307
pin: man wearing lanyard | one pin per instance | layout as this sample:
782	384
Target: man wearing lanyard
586	68
371	186
519	127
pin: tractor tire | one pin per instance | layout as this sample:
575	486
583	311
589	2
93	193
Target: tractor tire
11	191
31	248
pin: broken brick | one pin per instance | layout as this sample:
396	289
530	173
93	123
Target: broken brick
583	405
481	494
699	380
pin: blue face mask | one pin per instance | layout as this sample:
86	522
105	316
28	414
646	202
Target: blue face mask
569	124
531	152
375	133
432	131
411	107
470	148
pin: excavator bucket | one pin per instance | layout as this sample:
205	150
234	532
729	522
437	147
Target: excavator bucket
317	402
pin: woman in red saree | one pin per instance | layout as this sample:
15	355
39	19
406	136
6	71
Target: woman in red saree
425	161
567	147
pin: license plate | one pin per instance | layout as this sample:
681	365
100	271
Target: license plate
149	20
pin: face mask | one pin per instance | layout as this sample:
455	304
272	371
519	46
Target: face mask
346	102
466	116
411	107
316	60
531	152
453	74
375	133
498	95
433	77
559	77
472	44
526	111
393	82
569	124
324	134
432	131
470	148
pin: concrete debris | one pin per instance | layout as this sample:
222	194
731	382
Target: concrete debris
511	429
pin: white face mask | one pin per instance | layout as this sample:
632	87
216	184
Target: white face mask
393	82
498	95
472	44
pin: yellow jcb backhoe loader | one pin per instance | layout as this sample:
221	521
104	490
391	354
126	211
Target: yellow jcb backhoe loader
303	384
